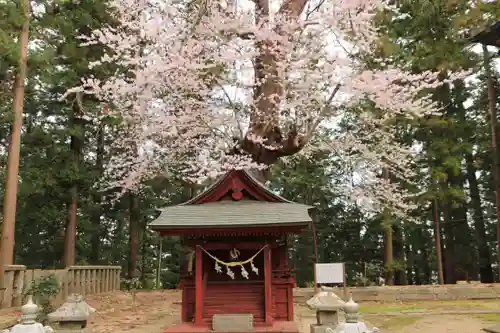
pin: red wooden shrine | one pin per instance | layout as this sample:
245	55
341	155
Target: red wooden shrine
235	220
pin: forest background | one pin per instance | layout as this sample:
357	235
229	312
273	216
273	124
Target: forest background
63	156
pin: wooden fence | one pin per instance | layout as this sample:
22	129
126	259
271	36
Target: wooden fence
84	280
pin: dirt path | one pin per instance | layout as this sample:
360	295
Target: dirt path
152	312
445	324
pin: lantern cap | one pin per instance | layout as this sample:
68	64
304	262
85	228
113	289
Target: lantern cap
75	309
325	300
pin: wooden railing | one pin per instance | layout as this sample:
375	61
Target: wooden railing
85	280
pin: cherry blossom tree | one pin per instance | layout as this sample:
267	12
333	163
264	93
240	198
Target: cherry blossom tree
210	85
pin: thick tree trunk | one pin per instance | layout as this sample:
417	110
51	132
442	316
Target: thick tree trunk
388	255
144	246
418	274
119	238
133	234
269	92
410	262
71	226
11	180
426	269
388	241
463	241
70	232
494	148
399	253
97	196
438	241
449	244
485	269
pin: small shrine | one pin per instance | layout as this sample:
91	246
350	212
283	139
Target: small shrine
239	279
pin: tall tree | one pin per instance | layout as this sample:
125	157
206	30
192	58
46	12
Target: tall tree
76	144
11	183
494	141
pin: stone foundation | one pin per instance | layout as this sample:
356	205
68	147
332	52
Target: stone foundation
411	293
232	323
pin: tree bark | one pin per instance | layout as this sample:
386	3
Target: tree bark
70	232
494	149
268	94
485	269
437	241
426	267
399	253
463	241
11	181
119	238
449	244
388	248
410	262
418	274
97	211
76	151
388	254
133	234
144	246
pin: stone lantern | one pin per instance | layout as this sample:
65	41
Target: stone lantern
72	316
28	324
352	323
327	306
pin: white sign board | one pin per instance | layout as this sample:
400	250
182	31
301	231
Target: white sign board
329	273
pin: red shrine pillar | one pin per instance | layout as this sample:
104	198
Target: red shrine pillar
268	303
198	283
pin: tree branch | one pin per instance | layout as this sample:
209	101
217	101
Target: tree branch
324	110
292	8
233	107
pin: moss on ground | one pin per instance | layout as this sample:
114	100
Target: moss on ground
392	323
492	318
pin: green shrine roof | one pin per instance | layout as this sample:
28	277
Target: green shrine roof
237	199
232	213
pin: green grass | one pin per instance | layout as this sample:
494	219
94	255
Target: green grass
492	318
391	309
459	305
392	323
427	306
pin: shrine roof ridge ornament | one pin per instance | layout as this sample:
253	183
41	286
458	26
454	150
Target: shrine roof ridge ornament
244	174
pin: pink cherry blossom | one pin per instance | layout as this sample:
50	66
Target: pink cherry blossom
216	85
